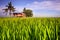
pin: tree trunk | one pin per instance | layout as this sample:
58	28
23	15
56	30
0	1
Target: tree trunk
10	13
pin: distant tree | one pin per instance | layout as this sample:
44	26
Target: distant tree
28	12
9	8
24	9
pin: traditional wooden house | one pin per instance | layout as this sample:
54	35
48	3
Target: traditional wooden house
19	14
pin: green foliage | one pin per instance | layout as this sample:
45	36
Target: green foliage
29	28
28	12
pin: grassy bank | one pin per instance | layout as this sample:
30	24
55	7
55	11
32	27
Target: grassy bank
29	28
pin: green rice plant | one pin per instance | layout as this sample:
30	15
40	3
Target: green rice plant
29	28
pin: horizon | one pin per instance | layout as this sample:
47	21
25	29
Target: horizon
40	8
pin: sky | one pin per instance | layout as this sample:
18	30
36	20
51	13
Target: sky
40	8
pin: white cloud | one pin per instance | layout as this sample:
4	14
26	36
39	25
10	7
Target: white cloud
19	8
50	5
0	9
45	5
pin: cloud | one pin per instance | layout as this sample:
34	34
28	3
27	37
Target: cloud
43	5
19	8
49	5
0	9
1	12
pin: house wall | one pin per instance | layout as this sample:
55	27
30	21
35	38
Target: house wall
19	14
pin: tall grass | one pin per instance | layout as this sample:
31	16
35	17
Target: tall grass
29	28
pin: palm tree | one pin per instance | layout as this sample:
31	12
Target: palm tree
9	8
6	10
